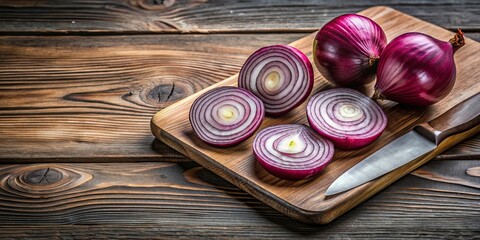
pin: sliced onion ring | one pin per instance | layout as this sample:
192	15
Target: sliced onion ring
226	116
292	151
280	75
347	117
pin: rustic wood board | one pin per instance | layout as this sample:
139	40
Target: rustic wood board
147	200
305	200
214	16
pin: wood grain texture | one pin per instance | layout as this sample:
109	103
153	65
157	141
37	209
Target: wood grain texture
187	16
84	98
467	149
192	203
68	93
160	200
305	200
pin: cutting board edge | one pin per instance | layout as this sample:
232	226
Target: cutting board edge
373	187
295	212
325	214
321	216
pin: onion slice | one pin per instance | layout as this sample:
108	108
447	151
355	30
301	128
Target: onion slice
281	76
226	116
347	117
292	151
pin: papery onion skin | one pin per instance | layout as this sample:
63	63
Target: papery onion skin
319	152
346	50
417	69
292	92
204	119
355	132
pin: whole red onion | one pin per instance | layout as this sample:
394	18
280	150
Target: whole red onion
347	48
417	69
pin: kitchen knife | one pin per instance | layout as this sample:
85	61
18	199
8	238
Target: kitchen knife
423	139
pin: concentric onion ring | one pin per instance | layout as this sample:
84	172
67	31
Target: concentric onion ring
292	151
347	117
226	116
281	76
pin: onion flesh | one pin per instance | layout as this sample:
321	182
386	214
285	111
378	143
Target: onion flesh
280	75
347	48
226	116
347	117
292	151
417	69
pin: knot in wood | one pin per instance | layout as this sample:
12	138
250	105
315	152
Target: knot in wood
43	176
162	92
42	180
155	4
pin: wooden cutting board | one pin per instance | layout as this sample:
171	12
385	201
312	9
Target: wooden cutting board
304	200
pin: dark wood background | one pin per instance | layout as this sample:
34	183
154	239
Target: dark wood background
80	80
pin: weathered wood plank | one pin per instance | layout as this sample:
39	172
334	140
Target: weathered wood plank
169	200
189	16
192	202
74	98
468	149
90	98
374	230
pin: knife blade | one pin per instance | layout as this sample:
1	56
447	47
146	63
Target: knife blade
423	139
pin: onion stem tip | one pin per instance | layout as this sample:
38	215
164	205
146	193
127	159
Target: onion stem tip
458	40
378	95
372	61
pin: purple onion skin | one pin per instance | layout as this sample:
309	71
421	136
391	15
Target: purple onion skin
299	97
347	143
292	175
310	77
346	50
417	69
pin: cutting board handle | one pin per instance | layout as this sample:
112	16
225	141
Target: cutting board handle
461	117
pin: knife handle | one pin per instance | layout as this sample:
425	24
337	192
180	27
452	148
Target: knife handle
461	117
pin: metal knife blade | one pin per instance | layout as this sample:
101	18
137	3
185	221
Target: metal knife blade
399	152
422	140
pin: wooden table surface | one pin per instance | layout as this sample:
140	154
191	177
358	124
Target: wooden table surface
80	81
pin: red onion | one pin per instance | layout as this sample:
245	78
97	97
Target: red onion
281	76
226	116
292	151
347	48
417	69
346	117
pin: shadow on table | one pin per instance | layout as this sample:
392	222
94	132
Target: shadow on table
257	212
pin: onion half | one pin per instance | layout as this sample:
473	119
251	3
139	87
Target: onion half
347	117
292	151
346	50
417	69
281	76
226	116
